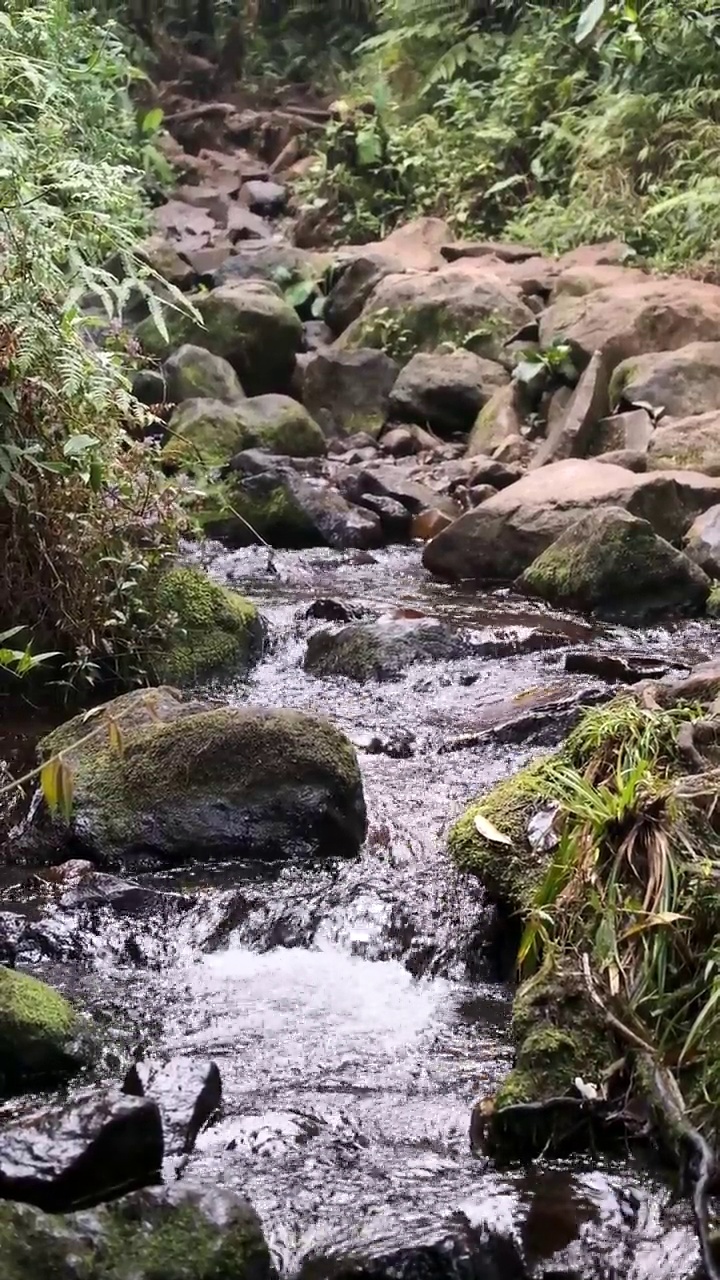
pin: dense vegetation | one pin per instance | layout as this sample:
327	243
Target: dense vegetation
554	123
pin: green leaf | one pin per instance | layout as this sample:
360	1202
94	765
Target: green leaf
369	147
299	293
75	446
589	21
152	121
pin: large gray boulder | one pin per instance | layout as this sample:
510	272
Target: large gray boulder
692	443
445	391
208	433
347	391
197	780
501	537
382	650
683	383
611	562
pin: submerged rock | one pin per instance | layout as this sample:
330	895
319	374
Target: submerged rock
454	1247
382	650
95	1148
188	1092
175	1233
609	561
197	780
41	1035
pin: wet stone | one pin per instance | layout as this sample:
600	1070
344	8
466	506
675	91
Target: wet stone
188	1093
625	668
96	1148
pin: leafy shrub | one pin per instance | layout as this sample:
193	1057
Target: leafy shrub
84	516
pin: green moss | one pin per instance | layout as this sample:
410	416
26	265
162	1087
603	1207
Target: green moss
509	874
136	1239
227	508
37	1026
215	629
425	326
619	380
208	433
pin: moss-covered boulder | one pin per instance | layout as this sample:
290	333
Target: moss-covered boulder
195	779
249	324
209	629
382	650
41	1035
208	433
419	311
178	1233
192	373
614	563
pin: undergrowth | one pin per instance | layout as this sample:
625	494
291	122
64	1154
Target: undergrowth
530	122
84	512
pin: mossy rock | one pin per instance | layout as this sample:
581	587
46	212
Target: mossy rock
382	650
248	324
712	606
197	780
234	510
208	433
40	1032
509	873
614	563
193	373
559	1037
169	1234
213	629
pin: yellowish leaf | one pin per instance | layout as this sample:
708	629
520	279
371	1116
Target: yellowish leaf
49	783
66	788
489	831
116	739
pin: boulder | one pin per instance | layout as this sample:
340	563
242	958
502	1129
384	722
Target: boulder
97	1147
347	391
287	510
703	541
611	562
192	373
683	383
393	482
570	435
415	246
353	286
382	650
207	628
264	197
169	1233
249	324
445	392
269	261
633	319
629	432
208	433
200	780
163	258
188	1092
501	418
687	443
499	539
419	311
40	1033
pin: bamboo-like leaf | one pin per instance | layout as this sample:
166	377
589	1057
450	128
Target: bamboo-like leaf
489	831
117	742
50	785
66	788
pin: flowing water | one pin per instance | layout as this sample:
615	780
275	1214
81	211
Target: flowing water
357	1010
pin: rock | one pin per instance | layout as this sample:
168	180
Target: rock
683	382
620	668
392	482
176	1233
394	517
692	443
40	1033
445	392
249	324
202	781
266	198
505	251
96	1148
215	432
610	561
633	319
703	541
330	611
188	1092
501	419
382	650
500	538
428	524
287	511
353	287
540	717
419	311
163	257
396	746
416	245
478	493
515	448
194	373
403	442
149	386
268	261
347	391
316	335
570	437
629	432
213	629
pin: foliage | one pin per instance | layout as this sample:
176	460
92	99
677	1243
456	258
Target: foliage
553	123
83	515
631	887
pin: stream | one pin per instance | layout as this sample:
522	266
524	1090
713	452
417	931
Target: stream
357	1010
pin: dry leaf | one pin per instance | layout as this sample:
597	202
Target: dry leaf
490	832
